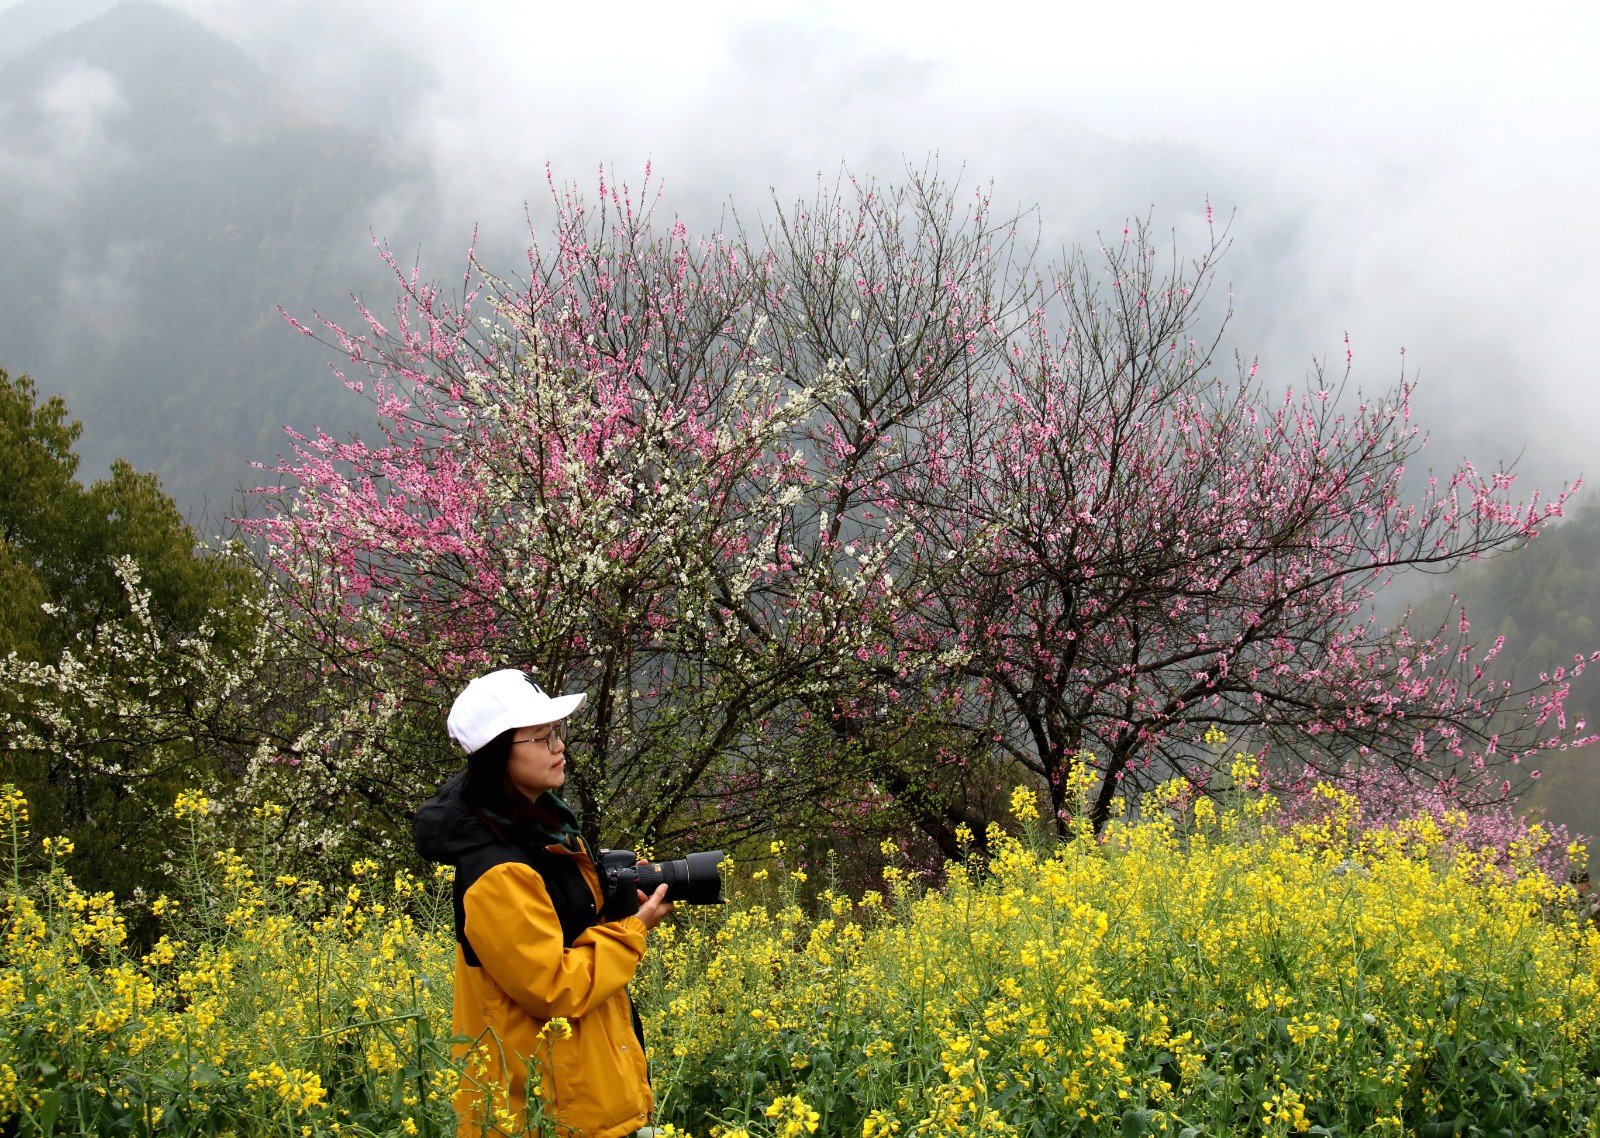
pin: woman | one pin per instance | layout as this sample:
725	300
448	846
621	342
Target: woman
541	978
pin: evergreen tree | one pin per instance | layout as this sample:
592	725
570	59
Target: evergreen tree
116	628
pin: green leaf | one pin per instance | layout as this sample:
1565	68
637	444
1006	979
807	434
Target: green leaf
1136	1123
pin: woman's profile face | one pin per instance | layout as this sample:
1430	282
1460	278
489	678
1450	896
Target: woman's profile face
537	760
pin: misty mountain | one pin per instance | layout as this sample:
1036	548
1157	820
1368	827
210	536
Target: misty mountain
25	24
1545	601
160	197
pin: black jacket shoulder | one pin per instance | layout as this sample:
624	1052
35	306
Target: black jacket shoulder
448	831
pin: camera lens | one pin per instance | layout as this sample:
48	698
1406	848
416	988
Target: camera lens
695	879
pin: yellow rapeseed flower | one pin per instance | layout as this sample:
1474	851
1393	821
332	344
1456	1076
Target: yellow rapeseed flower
190	802
1024	804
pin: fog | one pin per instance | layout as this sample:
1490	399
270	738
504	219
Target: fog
1422	184
1418	182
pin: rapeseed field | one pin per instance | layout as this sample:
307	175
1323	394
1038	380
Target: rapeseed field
1206	969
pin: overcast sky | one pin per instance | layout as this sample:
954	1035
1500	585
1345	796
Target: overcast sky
1420	176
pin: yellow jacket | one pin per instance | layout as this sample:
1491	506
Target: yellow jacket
534	995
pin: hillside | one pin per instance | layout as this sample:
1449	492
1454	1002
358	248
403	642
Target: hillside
1545	601
160	197
25	24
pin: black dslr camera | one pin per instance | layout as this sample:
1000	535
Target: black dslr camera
693	879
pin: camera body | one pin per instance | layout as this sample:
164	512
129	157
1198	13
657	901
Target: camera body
694	879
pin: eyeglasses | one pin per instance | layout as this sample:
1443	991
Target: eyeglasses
556	734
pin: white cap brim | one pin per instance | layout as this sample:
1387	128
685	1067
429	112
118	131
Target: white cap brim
503	701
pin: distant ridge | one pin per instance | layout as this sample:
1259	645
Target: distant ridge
161	196
23	25
174	71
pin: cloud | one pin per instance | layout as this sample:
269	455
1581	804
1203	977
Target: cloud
1476	254
1416	182
51	138
78	101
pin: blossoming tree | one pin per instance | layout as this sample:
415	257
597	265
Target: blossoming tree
836	513
642	474
1136	548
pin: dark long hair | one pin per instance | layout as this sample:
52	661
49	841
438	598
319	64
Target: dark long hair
490	794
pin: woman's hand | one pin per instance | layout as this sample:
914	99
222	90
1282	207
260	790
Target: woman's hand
655	908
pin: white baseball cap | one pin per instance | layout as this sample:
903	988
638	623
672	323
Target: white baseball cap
502	701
